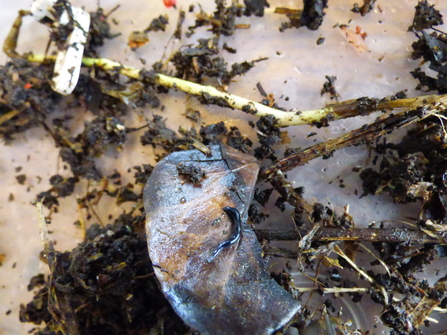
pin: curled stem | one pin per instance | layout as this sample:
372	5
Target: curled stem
10	44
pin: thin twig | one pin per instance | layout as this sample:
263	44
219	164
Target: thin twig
331	112
368	278
362	135
10	43
43	226
344	109
333	289
208	92
288	193
87	199
389	235
377	258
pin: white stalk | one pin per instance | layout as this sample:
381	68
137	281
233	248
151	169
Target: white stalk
285	119
67	65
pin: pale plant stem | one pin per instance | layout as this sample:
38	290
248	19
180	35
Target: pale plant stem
332	112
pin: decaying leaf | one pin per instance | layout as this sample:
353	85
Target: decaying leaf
137	39
354	39
233	293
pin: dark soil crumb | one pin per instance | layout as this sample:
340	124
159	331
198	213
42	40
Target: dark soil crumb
142	173
158	24
311	16
425	17
36	311
228	48
313	13
36	281
263	196
269	136
364	105
198	62
193	115
411	168
222	21
213	132
399	95
28	99
158	134
328	87
126	194
48	199
192	173
432	48
88	284
21	178
99	31
237	141
320	40
255	214
63	187
255	7
368	5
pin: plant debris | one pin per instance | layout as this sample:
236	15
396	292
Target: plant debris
222	21
196	63
84	294
311	16
328	87
256	7
368	5
232	294
137	39
109	285
29	96
425	17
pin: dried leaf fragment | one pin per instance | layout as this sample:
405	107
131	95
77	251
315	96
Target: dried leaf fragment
137	39
232	294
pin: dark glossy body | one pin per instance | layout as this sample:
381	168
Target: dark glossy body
235	218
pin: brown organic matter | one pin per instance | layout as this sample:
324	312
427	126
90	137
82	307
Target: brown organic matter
233	293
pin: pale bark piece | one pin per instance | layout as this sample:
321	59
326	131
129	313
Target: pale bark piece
233	293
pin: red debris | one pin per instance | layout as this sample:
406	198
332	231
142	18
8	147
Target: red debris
170	3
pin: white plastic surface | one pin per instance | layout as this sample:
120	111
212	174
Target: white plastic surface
42	8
